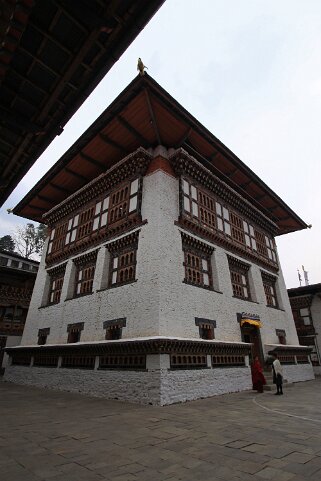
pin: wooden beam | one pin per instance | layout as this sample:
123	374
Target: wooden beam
44	198
132	130
184	138
151	113
41	209
60	189
76	174
246	184
111	142
93	161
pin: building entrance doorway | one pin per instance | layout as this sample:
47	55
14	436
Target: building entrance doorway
252	335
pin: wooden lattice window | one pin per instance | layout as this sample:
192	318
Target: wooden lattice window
269	284
281	336
56	282
85	273
237	228
197	269
84	279
239	278
114	328
123	201
85	223
74	332
123	260
223	219
207	210
57	238
197	262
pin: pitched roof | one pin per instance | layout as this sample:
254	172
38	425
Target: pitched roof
53	54
144	114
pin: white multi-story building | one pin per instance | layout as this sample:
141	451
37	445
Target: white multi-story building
160	278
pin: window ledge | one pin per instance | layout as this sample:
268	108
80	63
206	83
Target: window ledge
119	284
275	308
79	296
245	299
207	288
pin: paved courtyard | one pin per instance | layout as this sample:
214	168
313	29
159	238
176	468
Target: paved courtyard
46	435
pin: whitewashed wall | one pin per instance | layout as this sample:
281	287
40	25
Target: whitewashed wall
159	303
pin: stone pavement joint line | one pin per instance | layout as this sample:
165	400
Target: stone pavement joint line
59	436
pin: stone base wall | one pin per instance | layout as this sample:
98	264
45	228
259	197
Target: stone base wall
157	387
317	370
298	372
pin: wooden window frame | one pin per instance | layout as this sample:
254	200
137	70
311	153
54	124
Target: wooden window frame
123	260
85	274
74	332
114	329
269	285
249	236
196	254
42	336
57	276
239	279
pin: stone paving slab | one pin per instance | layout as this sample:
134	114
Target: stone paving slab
56	436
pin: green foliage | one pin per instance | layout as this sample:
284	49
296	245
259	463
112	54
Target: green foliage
7	243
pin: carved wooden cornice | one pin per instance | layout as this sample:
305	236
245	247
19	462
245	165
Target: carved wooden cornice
268	278
301	302
189	242
58	270
88	258
134	164
129	241
183	163
236	263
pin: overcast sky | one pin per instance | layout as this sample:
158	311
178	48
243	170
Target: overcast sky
250	71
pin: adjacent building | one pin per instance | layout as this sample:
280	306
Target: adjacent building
306	308
160	278
17	278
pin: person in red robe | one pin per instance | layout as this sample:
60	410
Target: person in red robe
258	378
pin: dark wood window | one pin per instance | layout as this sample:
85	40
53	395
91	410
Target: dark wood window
42	336
207	210
239	278
123	260
123	267
114	328
281	335
56	282
269	283
55	289
85	223
57	238
123	201
237	229
197	269
206	327
197	262
84	279
85	273
74	332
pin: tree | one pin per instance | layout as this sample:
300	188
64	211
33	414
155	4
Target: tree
7	243
29	240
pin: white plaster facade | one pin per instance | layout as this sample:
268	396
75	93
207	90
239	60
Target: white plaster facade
159	303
